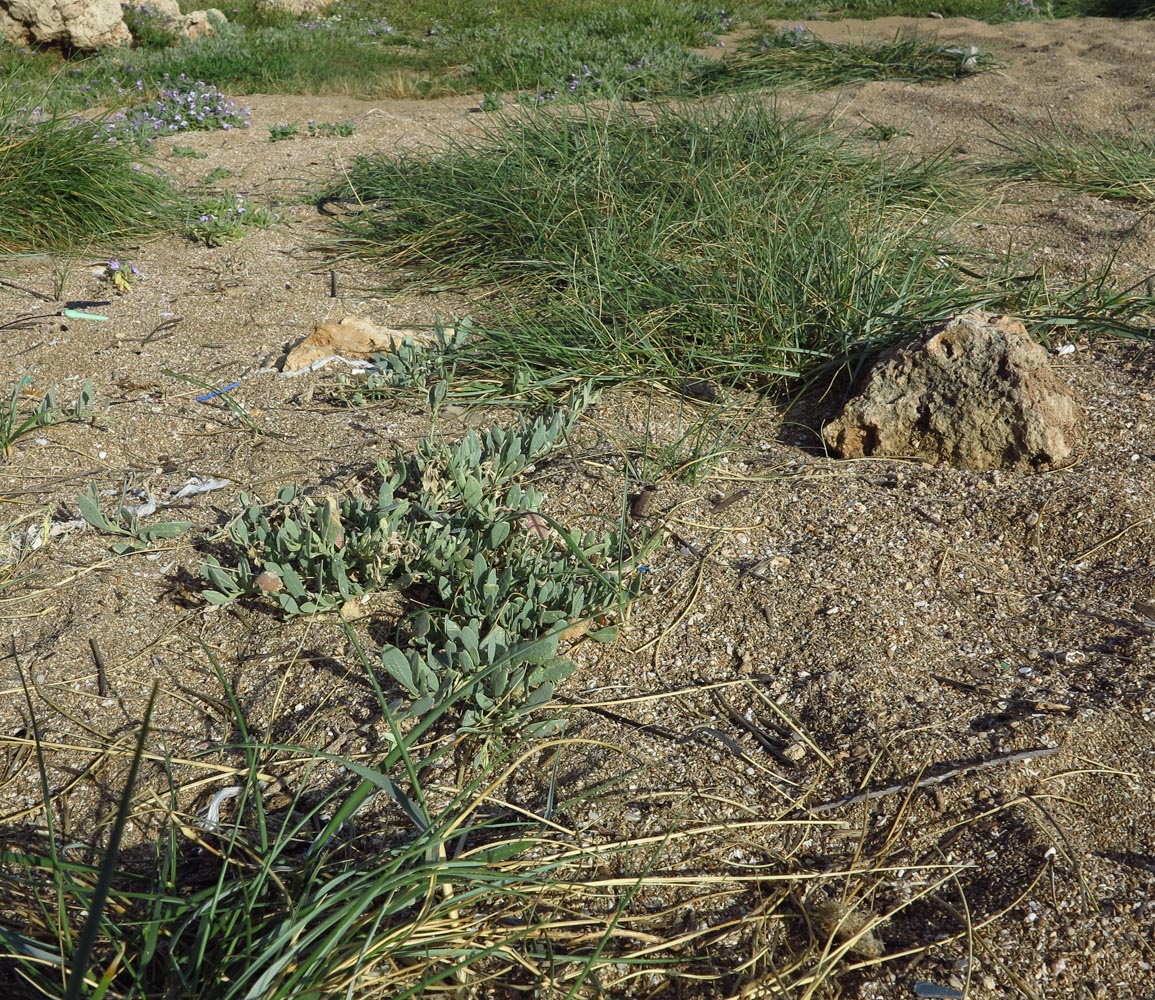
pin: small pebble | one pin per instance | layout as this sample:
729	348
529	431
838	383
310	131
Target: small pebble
795	752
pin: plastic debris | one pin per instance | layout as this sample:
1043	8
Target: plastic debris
212	814
218	392
320	363
196	485
143	510
967	55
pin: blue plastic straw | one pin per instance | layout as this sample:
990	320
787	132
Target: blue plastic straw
217	392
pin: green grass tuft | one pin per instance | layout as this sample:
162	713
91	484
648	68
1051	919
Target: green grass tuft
63	185
1120	167
721	240
795	57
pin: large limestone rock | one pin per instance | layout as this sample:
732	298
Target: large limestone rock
354	337
71	24
974	392
193	25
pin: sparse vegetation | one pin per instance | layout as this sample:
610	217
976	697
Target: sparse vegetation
128	524
1117	166
26	411
693	245
215	220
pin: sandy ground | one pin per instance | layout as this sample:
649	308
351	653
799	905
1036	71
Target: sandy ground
876	620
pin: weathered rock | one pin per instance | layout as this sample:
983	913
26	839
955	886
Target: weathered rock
168	9
193	25
974	392
70	24
200	23
295	6
353	337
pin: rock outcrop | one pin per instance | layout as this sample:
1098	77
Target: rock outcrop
92	24
70	24
193	25
168	9
974	392
201	22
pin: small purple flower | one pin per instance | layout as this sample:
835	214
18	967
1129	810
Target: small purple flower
114	264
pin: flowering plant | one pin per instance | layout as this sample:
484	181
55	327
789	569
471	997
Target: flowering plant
121	275
222	220
184	105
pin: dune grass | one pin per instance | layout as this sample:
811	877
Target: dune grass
1107	165
719	241
63	185
285	885
793	56
724	241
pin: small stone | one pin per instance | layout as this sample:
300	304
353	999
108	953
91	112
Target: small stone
795	752
843	922
269	583
352	610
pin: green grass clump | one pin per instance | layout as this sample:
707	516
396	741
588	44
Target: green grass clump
635	49
1108	166
795	57
23	413
727	240
64	184
256	14
322	892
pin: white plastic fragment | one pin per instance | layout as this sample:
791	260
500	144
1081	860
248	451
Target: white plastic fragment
145	509
323	362
968	55
196	485
212	814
